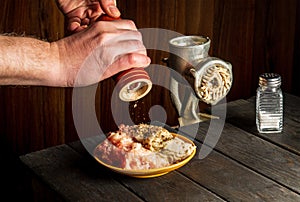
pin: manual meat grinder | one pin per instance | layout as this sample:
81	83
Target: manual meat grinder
201	77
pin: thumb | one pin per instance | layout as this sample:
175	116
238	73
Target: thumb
110	8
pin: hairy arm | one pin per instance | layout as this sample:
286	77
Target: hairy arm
84	58
28	61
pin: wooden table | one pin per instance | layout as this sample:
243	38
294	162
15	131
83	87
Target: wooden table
244	166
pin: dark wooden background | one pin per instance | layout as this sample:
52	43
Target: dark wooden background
255	36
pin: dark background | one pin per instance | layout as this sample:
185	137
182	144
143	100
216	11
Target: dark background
255	36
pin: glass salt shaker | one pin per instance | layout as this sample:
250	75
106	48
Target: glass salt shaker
269	104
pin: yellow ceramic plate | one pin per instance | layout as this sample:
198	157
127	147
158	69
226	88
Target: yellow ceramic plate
152	172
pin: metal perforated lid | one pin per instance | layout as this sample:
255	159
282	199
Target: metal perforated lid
270	79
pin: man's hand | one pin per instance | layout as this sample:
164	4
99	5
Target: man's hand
82	13
85	58
98	52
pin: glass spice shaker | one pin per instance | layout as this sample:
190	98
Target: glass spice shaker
269	104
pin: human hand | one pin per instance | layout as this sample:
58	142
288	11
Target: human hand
82	13
98	52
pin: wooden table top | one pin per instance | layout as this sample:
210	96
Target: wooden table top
243	166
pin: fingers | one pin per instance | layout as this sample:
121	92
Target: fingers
132	60
110	8
111	46
115	25
125	62
124	48
75	25
117	38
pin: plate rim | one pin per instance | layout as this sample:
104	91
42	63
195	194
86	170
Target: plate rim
143	173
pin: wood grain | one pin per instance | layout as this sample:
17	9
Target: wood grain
274	42
99	177
267	154
233	42
32	118
172	187
242	114
234	182
242	167
253	35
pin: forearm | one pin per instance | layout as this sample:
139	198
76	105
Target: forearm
28	61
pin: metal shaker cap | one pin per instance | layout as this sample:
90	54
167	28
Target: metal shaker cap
270	79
